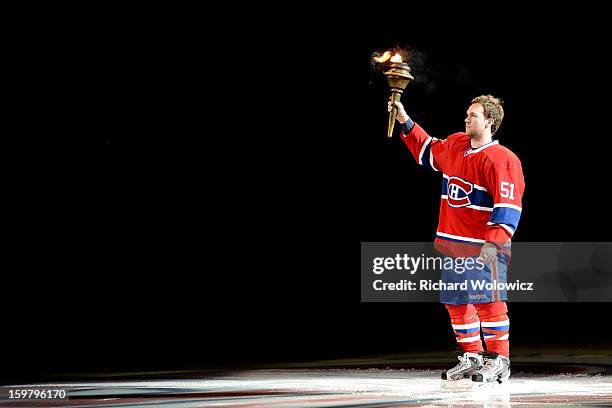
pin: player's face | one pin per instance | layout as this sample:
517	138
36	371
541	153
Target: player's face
475	122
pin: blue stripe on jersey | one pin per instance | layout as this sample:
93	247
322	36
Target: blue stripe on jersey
458	240
425	158
407	126
481	198
477	197
466	331
506	215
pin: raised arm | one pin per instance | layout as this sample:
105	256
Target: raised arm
426	150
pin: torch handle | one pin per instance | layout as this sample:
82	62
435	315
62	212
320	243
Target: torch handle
395	97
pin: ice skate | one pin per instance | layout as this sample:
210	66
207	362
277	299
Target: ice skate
496	370
460	375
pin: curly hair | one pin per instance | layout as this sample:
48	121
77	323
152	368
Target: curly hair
493	109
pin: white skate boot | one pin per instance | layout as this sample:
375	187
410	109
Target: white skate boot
496	370
460	375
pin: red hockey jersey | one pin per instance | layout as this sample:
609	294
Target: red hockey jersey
482	188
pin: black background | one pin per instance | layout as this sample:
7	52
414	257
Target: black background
217	221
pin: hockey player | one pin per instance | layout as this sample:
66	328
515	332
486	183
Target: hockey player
482	188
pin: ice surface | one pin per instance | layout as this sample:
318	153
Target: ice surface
349	387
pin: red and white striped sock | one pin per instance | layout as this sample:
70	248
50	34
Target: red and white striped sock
466	325
495	327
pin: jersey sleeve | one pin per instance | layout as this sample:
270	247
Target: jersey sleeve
506	184
426	150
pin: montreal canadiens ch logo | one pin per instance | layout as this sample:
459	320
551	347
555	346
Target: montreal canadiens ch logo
458	192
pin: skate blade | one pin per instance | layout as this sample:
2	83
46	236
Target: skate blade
499	384
459	385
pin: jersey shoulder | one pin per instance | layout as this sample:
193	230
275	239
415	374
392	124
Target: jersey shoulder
458	139
459	136
502	156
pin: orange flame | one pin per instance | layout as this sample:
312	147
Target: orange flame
396	58
384	57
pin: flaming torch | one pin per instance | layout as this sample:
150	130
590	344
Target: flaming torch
398	77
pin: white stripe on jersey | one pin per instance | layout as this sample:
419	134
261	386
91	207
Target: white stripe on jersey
504	226
480	208
460	238
431	158
476	186
516	207
472	206
423	150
